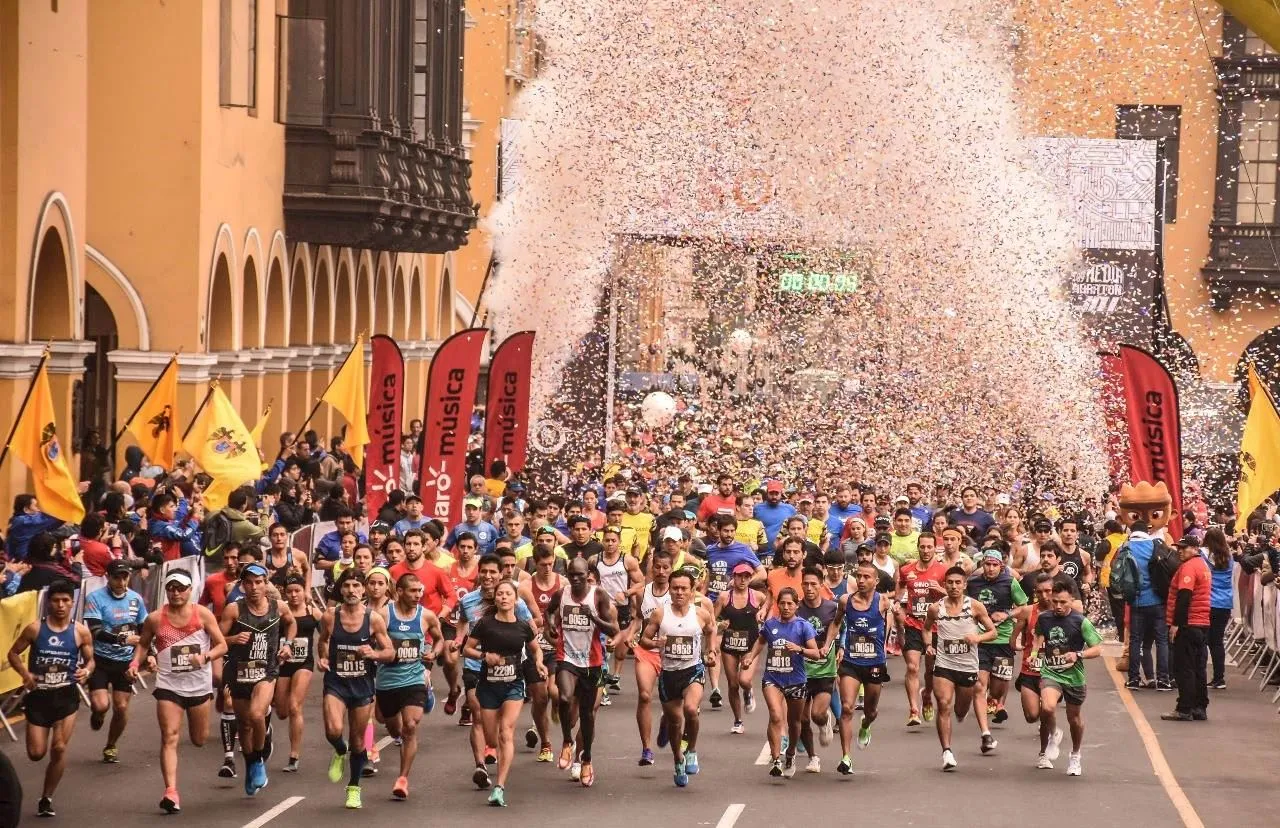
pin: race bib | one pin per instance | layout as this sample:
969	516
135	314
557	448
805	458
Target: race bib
736	640
717	583
251	671
1002	668
350	664
779	659
678	647
956	647
862	647
52	677
1037	663
1058	659
407	649
576	618
920	607
180	657
504	672
299	649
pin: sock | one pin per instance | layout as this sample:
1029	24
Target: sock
339	745
358	761
228	726
368	735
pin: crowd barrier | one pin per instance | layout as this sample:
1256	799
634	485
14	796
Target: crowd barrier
1253	636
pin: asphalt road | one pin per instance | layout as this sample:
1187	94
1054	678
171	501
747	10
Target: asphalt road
1225	768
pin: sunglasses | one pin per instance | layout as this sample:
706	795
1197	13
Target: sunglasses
176	587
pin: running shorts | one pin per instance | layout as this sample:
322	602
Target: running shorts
996	659
110	674
493	694
1073	695
530	670
959	678
470	679
1027	681
651	657
879	674
817	686
391	702
353	693
794	691
673	683
185	702
590	676
45	708
912	639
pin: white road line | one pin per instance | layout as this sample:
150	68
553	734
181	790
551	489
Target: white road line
764	757
731	815
280	809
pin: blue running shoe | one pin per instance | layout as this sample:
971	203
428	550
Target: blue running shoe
682	778
691	766
431	698
646	758
260	774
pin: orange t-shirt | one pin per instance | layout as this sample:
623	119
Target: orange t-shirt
779	580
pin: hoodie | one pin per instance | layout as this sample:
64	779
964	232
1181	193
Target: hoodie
133	458
179	537
23	527
1141	545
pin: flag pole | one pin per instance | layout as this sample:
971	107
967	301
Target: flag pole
208	396
143	402
359	343
4	454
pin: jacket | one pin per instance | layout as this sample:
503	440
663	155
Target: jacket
243	531
293	516
1141	545
179	537
24	527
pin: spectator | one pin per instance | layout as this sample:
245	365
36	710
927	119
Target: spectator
1187	613
27	522
175	526
47	565
1148	626
1220	601
97	554
413	518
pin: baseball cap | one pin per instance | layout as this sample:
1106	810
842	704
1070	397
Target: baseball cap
672	533
254	569
806	497
118	567
380	526
884	537
1043	525
774	486
743	567
634	491
473	501
1002	499
883	522
705	488
901	499
515	486
178	576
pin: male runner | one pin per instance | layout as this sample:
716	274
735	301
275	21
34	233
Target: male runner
995	586
952	624
59	657
1028	681
953	538
620	579
864	615
649	663
576	617
258	630
919	585
1064	638
823	614
686	635
545	585
114	614
351	636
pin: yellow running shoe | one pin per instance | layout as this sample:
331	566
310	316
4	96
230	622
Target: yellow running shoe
337	766
928	713
353	797
545	755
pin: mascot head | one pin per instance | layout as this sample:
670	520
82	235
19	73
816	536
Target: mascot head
1145	502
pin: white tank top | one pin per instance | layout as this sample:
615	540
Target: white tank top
613	577
682	647
650	602
174	648
579	636
952	650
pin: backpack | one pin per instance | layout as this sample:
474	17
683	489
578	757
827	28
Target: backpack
1162	568
1124	576
216	532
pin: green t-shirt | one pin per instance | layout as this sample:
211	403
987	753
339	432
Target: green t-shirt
1062	635
904	548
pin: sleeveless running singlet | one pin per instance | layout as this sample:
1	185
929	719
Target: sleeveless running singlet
953	651
174	648
579	644
256	661
682	647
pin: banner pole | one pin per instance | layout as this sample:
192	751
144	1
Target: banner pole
359	343
208	396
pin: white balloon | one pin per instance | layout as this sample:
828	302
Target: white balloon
658	409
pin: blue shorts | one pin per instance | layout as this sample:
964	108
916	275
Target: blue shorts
492	695
353	692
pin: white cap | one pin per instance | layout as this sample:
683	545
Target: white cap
179	576
672	533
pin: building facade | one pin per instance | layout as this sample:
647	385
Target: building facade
248	183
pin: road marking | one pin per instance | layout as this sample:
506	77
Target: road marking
274	812
731	815
764	757
1158	763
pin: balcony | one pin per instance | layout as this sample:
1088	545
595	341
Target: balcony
1242	259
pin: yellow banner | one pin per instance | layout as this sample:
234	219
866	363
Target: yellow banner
347	394
1259	451
222	445
35	443
15	614
156	419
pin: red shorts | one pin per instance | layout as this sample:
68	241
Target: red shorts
651	657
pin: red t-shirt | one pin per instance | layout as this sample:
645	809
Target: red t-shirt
96	556
437	589
1193	575
715	504
924	586
214	595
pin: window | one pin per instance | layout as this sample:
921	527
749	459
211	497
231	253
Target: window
238	53
300	70
1161	124
421	68
1256	174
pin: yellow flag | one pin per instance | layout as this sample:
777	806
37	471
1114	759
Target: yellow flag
347	394
1259	451
221	444
154	422
35	443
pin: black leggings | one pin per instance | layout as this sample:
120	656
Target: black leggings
1218	619
1118	607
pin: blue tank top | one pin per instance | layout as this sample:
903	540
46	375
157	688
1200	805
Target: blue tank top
839	590
409	642
783	668
53	657
347	667
864	634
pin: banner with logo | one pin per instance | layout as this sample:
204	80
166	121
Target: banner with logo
1155	436
451	394
386	413
506	421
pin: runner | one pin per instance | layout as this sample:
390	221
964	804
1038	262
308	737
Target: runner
462	576
282	561
296	673
686	635
1064	638
114	614
501	641
789	640
995	586
823	614
59	657
401	686
258	630
620	579
344	655
919	585
1028	682
953	541
576	617
955	621
545	585
214	596
648	662
187	641
722	558
864	614
738	614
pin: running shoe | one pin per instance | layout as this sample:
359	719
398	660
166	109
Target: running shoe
169	804
913	719
498	799
827	730
249	779
613	682
662	733
400	790
1131	684
605	701
989	743
375	755
228	769
1044	763
587	775
1001	715
451	702
681	777
44	808
545	754
928	713
566	757
750	698
646	758
337	766
353	797
1149	684
864	737
96	719
368	771
775	767
431	698
531	737
490	756
1218	685
464	718
1052	749
111	755
948	760
717	701
814	766
845	768
789	766
1073	765
292	767
738	728
259	771
480	777
575	771
691	765
1165	686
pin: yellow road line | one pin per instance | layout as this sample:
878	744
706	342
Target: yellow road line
1152	745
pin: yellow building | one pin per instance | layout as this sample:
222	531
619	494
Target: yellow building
249	182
